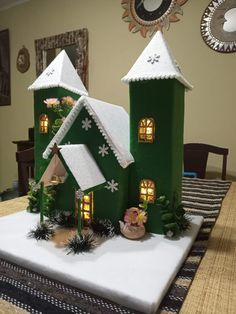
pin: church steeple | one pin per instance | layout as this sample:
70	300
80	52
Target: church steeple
59	81
156	62
157	88
60	73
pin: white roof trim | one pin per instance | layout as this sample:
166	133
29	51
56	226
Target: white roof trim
63	85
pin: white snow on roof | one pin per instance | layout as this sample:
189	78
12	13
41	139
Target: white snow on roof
112	121
82	166
60	73
156	62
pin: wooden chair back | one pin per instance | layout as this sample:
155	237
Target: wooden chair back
196	156
25	160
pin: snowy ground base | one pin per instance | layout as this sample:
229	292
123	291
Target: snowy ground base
136	274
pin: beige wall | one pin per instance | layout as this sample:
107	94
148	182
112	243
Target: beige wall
210	107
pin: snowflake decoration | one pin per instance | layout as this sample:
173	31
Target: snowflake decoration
86	124
153	59
112	185
79	194
103	150
35	187
50	72
169	234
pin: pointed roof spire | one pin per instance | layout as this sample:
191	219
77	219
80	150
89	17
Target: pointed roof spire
60	73
156	62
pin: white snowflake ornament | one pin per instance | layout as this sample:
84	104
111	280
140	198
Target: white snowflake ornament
103	150
79	194
170	234
86	124
154	58
112	186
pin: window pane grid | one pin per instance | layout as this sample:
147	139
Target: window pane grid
43	123
87	208
146	130
147	191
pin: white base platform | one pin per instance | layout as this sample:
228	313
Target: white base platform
136	274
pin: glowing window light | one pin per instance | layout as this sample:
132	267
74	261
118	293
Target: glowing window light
147	191
146	131
43	123
87	208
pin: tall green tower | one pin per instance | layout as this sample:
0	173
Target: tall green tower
58	80
157	89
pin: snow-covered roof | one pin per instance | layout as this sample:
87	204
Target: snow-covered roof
60	73
156	62
112	121
82	166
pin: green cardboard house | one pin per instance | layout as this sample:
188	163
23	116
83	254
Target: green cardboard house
96	159
103	160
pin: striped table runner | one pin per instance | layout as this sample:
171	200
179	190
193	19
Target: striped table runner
38	294
200	197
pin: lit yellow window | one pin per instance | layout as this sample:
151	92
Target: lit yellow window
43	123
146	130
87	208
147	191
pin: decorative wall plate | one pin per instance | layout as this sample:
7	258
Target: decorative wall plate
218	25
23	60
151	15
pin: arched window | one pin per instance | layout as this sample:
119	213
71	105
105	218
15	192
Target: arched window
43	123
147	191
87	208
146	131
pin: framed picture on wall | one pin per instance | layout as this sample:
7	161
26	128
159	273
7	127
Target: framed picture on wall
5	96
218	26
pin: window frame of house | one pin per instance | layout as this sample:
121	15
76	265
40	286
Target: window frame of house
87	200
146	130
43	126
144	191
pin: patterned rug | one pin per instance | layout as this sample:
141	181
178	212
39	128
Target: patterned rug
204	198
38	294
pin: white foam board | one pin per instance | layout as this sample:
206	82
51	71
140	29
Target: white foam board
135	274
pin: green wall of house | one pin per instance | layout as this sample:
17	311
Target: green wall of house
42	140
160	161
107	204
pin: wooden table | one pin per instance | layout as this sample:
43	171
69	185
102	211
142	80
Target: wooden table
214	287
